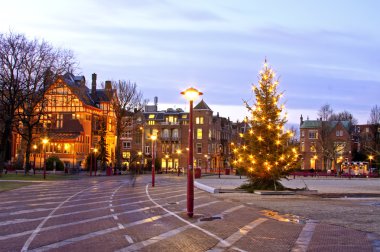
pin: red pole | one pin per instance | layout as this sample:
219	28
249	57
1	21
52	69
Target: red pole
153	161
91	157
44	162
190	178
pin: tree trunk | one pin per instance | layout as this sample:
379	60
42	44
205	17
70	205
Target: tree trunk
27	151
4	145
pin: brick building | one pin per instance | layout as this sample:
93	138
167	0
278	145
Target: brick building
324	144
71	122
212	136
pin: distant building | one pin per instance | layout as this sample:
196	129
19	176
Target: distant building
212	136
71	122
324	144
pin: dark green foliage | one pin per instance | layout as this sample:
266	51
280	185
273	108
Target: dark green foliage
59	166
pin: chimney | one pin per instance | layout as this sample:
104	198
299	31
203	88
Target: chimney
108	85
155	101
93	86
301	120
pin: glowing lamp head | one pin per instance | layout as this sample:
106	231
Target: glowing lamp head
370	157
35	147
153	137
95	150
45	141
191	94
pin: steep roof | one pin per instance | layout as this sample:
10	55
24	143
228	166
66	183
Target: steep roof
311	124
202	106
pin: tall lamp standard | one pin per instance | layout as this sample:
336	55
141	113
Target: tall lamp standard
44	142
96	160
370	157
179	158
34	160
153	138
191	94
141	163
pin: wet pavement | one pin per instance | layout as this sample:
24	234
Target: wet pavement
124	213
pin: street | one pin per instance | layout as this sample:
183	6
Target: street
124	213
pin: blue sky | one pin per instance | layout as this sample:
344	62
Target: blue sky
323	51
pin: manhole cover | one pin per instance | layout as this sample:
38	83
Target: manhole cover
211	218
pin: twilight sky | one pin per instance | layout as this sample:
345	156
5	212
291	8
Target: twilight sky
324	51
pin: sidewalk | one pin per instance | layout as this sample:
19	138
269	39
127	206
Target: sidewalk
230	183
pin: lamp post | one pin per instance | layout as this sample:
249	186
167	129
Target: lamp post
370	157
44	142
91	161
34	159
179	158
141	163
96	161
166	160
191	94
153	138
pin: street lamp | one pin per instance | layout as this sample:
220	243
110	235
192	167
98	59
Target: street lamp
370	157
191	94
96	161
45	141
179	158
166	160
153	138
34	160
141	163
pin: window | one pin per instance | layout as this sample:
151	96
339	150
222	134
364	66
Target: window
175	133
199	133
339	147
126	155
302	146
147	149
199	148
184	116
313	134
126	144
199	120
339	133
302	133
151	116
151	122
165	133
312	147
171	119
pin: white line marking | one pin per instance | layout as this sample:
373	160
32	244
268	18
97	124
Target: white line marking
305	236
238	235
110	205
115	217
120	226
112	210
37	230
129	239
185	221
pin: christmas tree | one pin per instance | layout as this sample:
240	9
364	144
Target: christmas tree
265	152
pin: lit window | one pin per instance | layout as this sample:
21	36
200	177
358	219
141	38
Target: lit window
151	116
199	133
151	122
199	120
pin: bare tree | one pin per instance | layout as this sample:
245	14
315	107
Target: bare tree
126	99
374	117
28	68
325	112
344	116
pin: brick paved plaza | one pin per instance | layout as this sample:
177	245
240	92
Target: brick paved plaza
124	213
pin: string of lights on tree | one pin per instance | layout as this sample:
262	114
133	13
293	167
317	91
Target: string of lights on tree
264	151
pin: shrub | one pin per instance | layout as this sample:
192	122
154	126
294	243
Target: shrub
59	166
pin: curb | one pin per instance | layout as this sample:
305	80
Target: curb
206	188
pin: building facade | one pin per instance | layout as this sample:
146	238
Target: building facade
324	145
71	123
212	137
